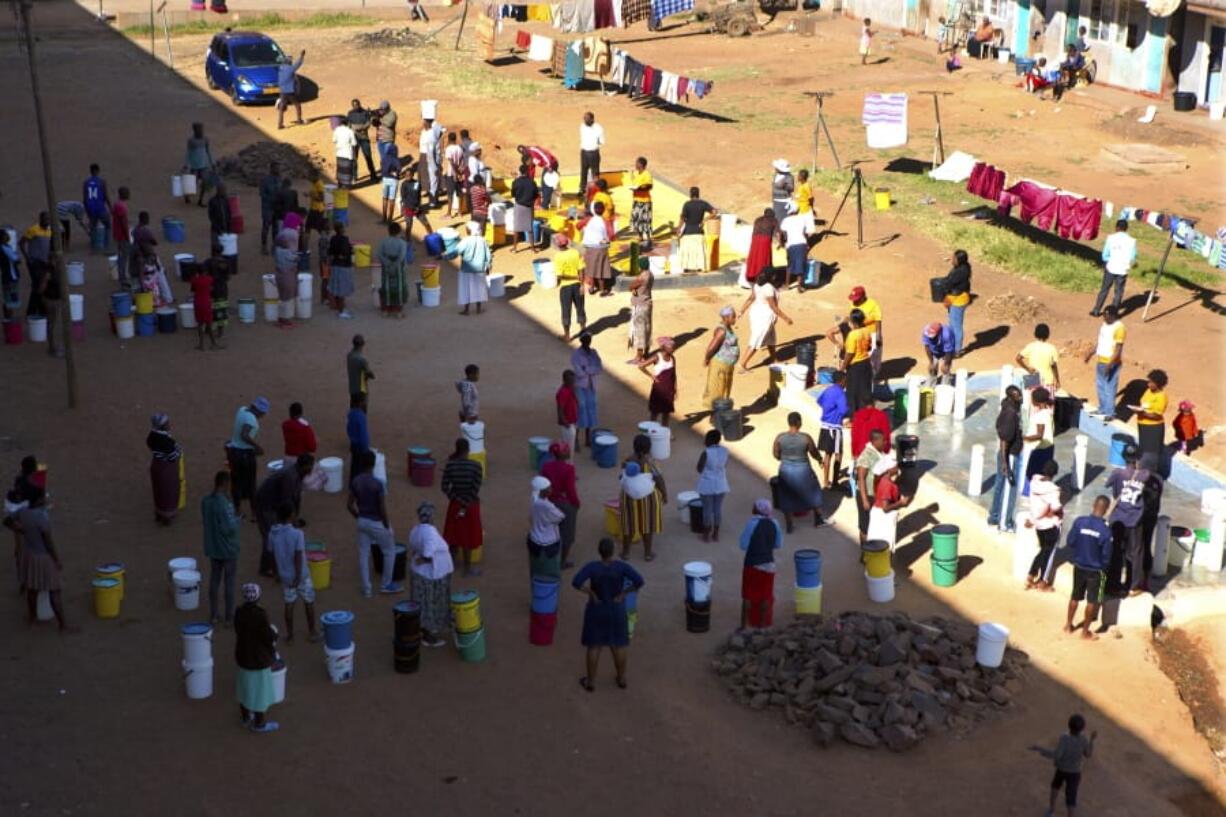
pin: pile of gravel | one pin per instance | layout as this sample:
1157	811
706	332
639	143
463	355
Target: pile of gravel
389	38
251	163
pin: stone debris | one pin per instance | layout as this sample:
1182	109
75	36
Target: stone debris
389	38
870	680
1015	308
251	163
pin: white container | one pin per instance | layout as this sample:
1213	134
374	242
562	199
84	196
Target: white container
646	426
1179	551
429	109
76	273
278	683
303	306
229	243
498	214
549	278
497	285
727	225
246	312
974	485
1212	500
187	315
380	470
112	267
1081	450
198	647
474	433
943	401
661	443
187	589
913	399
306	285
275	465
76	307
340	663
125	328
178	563
683	505
188	180
697	581
880	590
269	282
176	186
182	258
1002	55
658	264
43	609
1209	554
795	377
198	678
36	329
334	474
285	310
960	380
990	650
431	296
272	310
1216	110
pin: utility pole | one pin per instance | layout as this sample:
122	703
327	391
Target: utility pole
57	258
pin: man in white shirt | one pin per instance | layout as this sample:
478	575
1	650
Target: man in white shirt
476	167
794	237
591	139
1119	256
428	161
346	143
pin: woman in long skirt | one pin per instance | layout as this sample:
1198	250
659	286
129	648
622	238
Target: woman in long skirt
763	307
762	239
340	262
662	369
285	259
461	484
639	337
475	259
642	500
798	489
605	623
166	471
255	651
431	569
720	357
394	255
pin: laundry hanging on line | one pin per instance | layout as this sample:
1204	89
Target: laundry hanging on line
595	56
885	120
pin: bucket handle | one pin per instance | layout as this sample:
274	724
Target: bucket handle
473	634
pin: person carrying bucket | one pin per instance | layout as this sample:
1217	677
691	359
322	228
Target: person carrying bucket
289	549
760	539
430	572
887	501
606	583
255	651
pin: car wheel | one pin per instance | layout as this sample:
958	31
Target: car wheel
234	95
208	79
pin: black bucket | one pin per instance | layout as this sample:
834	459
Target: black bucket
936	290
696	524
697	616
376	560
908	449
406	621
806	355
406	655
730	424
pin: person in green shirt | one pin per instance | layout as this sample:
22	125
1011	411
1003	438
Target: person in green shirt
221	524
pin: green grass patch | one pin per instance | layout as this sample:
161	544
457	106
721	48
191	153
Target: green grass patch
1008	251
259	22
761	120
458	72
729	73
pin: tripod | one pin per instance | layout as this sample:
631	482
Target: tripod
857	183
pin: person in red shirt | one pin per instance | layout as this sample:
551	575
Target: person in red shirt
123	236
298	434
202	301
863	423
568	410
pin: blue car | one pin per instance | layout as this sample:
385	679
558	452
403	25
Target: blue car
244	64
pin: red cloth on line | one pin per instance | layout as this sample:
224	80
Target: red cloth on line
1038	203
758	586
604	17
463	531
986	181
1078	218
299	437
863	423
683	88
523	39
649	74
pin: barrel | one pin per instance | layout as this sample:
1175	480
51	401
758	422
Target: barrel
597	432
338	629
694	508
697	616
146	325
876	557
107	596
604	448
143	302
944	556
731	424
466	611
173	230
471	645
168	320
406	643
376	558
808	568
421	471
806	355
907	446
545	594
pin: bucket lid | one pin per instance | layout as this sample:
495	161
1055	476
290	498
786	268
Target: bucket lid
808	553
464	596
687	496
196	628
539	440
331	462
946	530
419	451
109	567
314	545
336	617
697	569
181	563
606	439
186	576
875	546
318	556
406	607
106	583
992	630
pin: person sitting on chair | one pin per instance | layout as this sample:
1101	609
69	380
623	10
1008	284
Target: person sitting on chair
980	42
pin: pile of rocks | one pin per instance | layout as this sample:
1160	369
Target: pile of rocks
1015	308
390	38
251	163
871	680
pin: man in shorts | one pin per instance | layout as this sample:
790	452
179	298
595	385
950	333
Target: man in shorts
1090	542
287	84
833	403
410	202
289	548
863	476
389	175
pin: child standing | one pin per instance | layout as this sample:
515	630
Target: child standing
389	172
866	40
289	548
470	399
202	301
1067	757
568	410
1186	430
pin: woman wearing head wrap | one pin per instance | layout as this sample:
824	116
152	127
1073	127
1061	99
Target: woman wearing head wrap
760	539
544	536
431	576
763	307
255	651
166	471
662	369
605	624
39	559
643	495
564	494
722	354
394	255
887	501
639	337
474	266
799	490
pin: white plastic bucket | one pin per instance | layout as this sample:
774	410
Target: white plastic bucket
880	590
993	638
76	273
340	664
188	180
727	225
1002	55
43	609
36	329
498	213
275	465
198	679
683	505
334	470
1209	554
429	109
187	315
661	443
76	307
497	285
179	563
380	470
474	432
198	647
246	311
943	400
176	186
125	328
697	581
303	306
187	589
1212	500
795	377
1179	552
229	243
549	278
306	285
272	310
657	264
278	683
180	259
285	309
112	267
269	282
431	296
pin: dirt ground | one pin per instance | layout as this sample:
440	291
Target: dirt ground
105	710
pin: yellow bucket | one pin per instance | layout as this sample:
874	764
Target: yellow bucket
613	518
881	198
107	595
143	302
809	601
479	457
927	398
876	556
712	245
558	223
361	255
321	570
477	555
113	570
340	199
429	276
466	611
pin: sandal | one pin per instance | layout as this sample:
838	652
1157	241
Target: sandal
587	684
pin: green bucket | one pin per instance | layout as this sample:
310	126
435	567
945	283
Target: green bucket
1201	534
471	646
900	406
945	543
944	572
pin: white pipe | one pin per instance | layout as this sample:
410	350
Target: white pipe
913	399
960	378
1081	450
975	483
1006	379
1162	543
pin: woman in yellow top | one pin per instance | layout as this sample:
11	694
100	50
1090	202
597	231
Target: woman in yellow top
1151	426
855	361
957	285
601	196
568	266
315	213
640	211
804	198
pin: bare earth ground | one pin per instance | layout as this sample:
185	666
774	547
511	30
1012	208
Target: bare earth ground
104	712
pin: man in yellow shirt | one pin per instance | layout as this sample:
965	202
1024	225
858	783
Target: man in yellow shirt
1151	420
803	196
640	211
568	267
871	310
1110	352
1040	360
857	350
315	211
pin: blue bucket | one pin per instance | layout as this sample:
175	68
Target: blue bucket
808	568
605	448
1118	443
632	597
537	226
196	628
813	272
538	267
341	215
338	629
545	594
121	304
434	245
825	375
146	325
173	230
97	238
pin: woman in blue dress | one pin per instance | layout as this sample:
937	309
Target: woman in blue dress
606	583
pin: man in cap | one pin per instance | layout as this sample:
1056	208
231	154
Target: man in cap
242	450
837	335
938	340
385	132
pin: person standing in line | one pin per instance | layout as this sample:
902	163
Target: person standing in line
255	651
588	366
385	127
202	307
411	206
568	266
1119	257
470	397
939	342
461	484
279	488
1008	461
287	85
551	185
242	450
220	223
428	160
760	539
357	368
475	259
567	405
799	490
720	359
591	140
367	504
524	193
297	433
866	40
121	231
394	255
1039	441
40	558
217	268
285	274
605	623
1040	359
856	362
662	369
479	200
221	546
692	249
430	569
1046	513
642	307
564	493
1130	486
359	120
389	182
596	253
474	169
165	471
345	145
357	430
712	483
643	496
270	196
198	160
783	185
763	308
286	210
641	210
763	234
289	550
1071	750
67	212
1151	420
1109	351
35	247
10	276
865	479
455	171
1089	539
957	286
340	283
544	535
794	234
316	220
97	201
803	197
888	500
833	403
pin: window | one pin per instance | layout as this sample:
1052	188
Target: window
262	52
1102	16
1001	11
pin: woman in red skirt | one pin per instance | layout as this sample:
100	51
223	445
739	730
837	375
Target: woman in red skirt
765	230
461	484
760	539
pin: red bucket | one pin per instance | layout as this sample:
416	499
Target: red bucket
78	331
236	223
12	333
541	627
235	208
421	471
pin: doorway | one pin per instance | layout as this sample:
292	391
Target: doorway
1213	73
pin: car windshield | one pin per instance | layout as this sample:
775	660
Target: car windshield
246	55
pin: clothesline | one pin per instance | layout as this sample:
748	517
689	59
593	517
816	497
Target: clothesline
582	16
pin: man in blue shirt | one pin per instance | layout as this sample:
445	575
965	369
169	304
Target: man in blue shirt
356	428
97	202
287	85
939	344
833	402
1090	542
